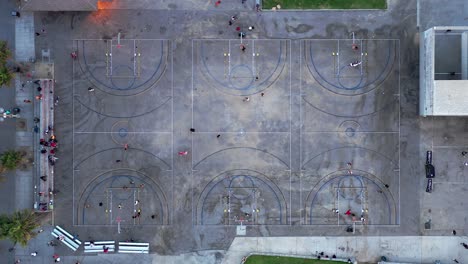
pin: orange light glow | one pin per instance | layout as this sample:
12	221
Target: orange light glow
104	5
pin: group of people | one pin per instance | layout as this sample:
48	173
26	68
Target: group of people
49	146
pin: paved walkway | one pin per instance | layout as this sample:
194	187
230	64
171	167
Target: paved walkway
24	37
24	52
412	249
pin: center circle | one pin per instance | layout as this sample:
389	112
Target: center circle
241	77
350	132
123	132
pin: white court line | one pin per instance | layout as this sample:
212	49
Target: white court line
356	132
339	52
303	219
399	133
239	132
254	70
448	147
338	206
191	162
290	134
111	57
349	39
111	39
134	58
73	136
110	132
229	59
110	207
217	39
234	39
362	63
172	128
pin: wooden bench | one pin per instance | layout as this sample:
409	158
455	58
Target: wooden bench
132	247
98	246
66	238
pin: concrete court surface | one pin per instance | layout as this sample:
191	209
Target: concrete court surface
280	164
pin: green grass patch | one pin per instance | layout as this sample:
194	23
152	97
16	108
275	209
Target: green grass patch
325	4
258	259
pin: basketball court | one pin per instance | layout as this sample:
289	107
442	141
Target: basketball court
122	163
350	116
241	148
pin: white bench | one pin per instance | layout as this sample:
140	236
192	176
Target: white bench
98	246
67	239
132	247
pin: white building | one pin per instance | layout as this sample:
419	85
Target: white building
444	72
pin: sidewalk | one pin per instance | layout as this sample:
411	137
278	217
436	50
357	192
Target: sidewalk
412	249
24	186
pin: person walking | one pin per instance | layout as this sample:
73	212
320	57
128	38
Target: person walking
242	47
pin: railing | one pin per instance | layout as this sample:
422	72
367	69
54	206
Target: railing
70	241
132	247
99	247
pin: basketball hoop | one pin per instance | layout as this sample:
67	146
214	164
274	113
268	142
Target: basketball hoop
118	220
118	41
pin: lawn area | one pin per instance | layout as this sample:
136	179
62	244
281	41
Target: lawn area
258	259
325	4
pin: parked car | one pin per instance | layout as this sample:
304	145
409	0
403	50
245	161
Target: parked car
430	170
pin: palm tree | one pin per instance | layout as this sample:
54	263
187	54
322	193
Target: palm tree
19	227
5	76
10	159
5	52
